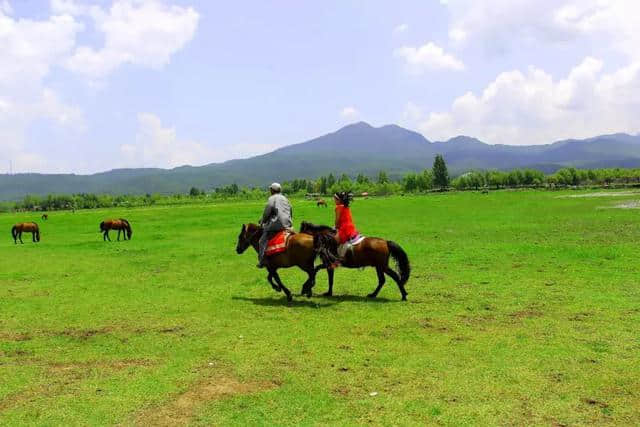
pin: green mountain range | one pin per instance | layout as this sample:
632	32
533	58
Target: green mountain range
353	149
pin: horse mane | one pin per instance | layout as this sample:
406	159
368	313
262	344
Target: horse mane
310	228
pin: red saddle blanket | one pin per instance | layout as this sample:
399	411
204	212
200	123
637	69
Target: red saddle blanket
278	243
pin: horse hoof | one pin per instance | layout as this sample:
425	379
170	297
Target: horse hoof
309	294
327	294
372	296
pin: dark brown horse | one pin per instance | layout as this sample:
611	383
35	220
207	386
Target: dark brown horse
45	217
321	202
29	227
122	225
299	253
371	252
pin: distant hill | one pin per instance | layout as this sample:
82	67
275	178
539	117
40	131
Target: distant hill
356	148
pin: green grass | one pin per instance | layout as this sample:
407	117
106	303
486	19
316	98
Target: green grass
523	309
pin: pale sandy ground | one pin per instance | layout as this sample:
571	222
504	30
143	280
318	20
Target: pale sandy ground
600	194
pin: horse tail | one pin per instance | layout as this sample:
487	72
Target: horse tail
37	232
401	259
101	226
14	231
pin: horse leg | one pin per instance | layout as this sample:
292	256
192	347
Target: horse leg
282	286
330	272
395	277
270	280
20	237
33	237
308	285
381	280
118	234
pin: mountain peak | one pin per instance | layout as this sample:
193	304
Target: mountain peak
356	126
464	139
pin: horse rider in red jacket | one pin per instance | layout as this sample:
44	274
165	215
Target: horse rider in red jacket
344	222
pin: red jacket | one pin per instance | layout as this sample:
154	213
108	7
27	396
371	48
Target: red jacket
344	224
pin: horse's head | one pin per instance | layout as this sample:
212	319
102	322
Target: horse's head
248	234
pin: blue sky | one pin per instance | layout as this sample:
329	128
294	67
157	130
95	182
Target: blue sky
91	86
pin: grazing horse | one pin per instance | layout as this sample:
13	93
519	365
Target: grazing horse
45	217
299	253
29	227
116	224
321	202
370	252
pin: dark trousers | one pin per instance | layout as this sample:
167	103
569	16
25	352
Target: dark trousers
264	239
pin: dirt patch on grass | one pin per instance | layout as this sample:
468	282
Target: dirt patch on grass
15	336
635	204
526	314
63	377
593	402
83	334
598	194
182	409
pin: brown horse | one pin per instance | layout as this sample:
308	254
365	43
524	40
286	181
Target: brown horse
321	202
371	252
299	253
29	227
116	224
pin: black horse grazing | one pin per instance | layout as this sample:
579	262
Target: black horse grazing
371	252
122	225
29	227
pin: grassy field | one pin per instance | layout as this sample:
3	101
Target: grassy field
524	308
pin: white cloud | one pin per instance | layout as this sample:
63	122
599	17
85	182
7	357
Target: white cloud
5	7
428	57
159	146
402	28
156	145
140	32
30	49
533	108
500	24
349	113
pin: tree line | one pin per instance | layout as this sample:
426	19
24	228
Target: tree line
436	178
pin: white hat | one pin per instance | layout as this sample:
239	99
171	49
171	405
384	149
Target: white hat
276	187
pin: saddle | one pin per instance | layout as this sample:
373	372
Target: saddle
278	243
348	245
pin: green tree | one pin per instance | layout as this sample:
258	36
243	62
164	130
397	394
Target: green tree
440	173
331	180
382	177
194	192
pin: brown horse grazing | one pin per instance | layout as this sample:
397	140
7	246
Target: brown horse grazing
321	202
116	224
29	227
299	253
371	252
